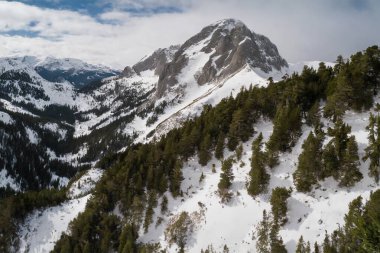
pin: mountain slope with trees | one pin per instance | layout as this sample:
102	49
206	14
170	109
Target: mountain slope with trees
252	171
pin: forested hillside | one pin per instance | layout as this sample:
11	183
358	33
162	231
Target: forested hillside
192	150
136	179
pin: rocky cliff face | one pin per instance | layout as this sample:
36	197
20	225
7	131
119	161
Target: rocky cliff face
219	51
154	62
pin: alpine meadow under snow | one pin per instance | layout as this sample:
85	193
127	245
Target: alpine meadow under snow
163	155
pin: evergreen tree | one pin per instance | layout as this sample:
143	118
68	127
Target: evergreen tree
338	102
330	161
309	164
239	152
176	179
263	230
308	248
349	173
316	247
372	152
226	177
314	116
327	246
268	239
278	202
220	146
340	137
152	203
204	153
301	247
127	240
164	204
333	155
258	177
240	129
286	129
276	243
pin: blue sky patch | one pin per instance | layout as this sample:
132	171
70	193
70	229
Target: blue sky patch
94	8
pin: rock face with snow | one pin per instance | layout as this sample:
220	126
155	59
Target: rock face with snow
220	50
156	61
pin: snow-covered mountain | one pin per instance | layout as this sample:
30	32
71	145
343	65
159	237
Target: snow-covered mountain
215	54
65	128
144	100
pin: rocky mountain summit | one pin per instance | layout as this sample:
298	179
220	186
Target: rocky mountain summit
220	50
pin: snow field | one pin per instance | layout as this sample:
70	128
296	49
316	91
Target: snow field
233	224
42	228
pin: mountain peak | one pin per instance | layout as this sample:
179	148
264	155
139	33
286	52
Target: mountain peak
217	52
229	23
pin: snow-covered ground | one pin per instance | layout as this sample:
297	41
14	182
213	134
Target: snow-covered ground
42	228
6	180
233	224
6	118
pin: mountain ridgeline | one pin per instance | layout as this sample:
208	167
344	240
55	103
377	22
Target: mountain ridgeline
71	124
236	81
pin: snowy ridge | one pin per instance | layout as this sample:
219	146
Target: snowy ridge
52	63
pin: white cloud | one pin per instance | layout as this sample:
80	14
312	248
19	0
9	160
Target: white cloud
302	30
149	4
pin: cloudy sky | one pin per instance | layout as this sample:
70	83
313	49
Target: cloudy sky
120	32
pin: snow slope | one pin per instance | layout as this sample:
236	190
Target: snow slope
43	228
233	224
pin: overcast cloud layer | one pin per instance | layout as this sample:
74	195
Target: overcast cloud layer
121	32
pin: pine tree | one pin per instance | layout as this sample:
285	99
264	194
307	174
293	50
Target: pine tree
239	152
308	248
334	152
314	115
240	129
259	178
176	179
330	161
276	243
278	202
301	247
372	152
268	239
286	129
263	240
316	247
327	246
164	204
349	172
152	203
340	137
226	177
220	146
309	164
204	153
